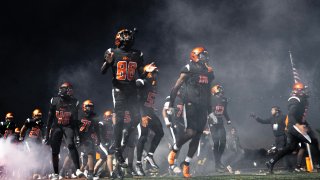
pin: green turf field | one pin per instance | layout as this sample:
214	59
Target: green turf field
303	176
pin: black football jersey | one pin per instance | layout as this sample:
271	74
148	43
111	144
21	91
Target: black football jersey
197	83
89	128
65	112
147	95
35	127
9	127
106	131
219	107
297	110
125	64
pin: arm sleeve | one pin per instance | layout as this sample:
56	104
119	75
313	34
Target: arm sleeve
141	65
75	119
264	121
51	113
175	89
225	112
105	66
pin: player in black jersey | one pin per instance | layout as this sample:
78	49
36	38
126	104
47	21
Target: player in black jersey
63	123
196	78
125	63
105	148
35	125
8	127
215	121
147	95
89	135
299	130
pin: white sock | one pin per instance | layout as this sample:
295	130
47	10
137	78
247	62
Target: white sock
151	154
175	147
138	162
188	159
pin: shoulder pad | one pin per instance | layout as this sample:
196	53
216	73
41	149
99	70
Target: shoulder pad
100	123
109	50
186	69
54	100
294	97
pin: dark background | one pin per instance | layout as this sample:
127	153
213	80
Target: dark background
43	43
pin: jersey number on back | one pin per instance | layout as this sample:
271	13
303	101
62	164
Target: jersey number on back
125	70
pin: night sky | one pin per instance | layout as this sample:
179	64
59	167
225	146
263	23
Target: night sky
43	43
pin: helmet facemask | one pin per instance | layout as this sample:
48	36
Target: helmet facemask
65	91
125	38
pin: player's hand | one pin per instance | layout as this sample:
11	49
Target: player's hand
21	138
150	67
46	140
206	132
109	57
98	143
170	111
229	122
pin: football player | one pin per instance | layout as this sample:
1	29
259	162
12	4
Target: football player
89	135
147	95
63	123
219	111
196	78
299	130
9	126
125	62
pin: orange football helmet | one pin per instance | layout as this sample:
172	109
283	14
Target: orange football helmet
216	89
36	113
9	116
87	106
198	54
107	115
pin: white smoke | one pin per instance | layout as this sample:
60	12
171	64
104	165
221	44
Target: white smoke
22	160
